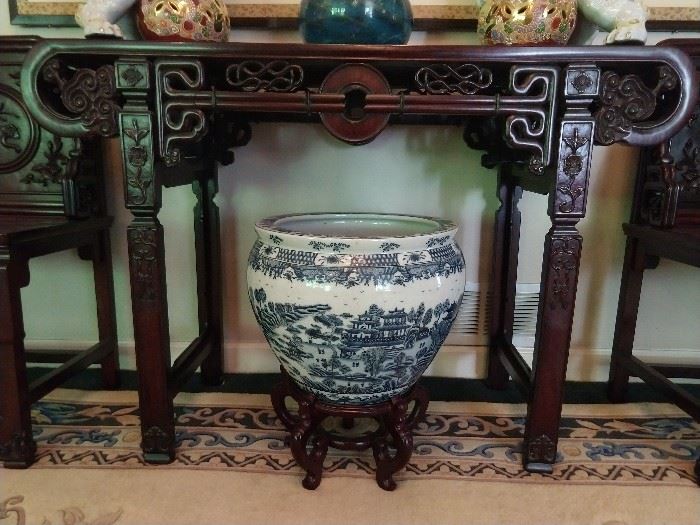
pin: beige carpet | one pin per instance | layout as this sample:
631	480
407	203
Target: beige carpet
618	465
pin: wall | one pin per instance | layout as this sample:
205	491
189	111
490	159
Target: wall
427	170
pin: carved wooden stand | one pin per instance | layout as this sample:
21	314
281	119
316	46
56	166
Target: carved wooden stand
309	440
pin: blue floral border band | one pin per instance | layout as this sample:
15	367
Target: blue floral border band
350	270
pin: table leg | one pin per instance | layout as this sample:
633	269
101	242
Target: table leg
555	318
149	302
106	316
152	338
560	267
504	277
209	285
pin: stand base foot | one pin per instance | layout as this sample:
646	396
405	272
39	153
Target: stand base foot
391	442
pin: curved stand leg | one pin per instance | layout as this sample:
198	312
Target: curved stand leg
401	438
278	395
421	399
303	432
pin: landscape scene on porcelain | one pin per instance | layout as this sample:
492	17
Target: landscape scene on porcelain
356	320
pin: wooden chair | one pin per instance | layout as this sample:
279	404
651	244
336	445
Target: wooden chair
665	223
50	200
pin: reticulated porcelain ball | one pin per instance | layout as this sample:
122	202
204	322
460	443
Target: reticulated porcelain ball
527	22
183	20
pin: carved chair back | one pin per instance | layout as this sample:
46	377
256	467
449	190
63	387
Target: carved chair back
668	191
40	173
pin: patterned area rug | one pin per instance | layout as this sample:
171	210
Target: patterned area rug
635	445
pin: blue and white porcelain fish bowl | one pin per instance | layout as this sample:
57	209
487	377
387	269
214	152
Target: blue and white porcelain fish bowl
355	306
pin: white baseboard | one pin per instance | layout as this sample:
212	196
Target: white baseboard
585	364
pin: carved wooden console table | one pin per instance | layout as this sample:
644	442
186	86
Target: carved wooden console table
536	112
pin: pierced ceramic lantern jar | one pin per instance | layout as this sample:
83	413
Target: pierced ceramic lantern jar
527	22
355	306
183	20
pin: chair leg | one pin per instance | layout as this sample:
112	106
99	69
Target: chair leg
17	446
106	316
627	308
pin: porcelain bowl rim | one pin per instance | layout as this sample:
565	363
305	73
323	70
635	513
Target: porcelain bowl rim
442	226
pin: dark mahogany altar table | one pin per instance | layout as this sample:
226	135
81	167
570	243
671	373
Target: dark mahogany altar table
178	108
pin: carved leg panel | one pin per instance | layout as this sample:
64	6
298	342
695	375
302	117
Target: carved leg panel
627	308
106	316
17	447
555	319
151	332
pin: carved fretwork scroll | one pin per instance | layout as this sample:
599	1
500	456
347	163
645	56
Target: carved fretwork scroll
180	121
89	93
277	76
627	101
532	128
439	79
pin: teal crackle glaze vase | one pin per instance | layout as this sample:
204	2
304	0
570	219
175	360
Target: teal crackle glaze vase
356	21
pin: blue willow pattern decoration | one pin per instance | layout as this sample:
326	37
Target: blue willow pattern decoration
350	358
351	270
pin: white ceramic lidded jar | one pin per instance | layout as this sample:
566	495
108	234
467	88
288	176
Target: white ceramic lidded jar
355	306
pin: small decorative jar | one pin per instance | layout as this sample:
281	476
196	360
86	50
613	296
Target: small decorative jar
183	20
527	22
356	21
355	306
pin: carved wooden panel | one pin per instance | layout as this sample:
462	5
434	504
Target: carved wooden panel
137	148
34	163
573	168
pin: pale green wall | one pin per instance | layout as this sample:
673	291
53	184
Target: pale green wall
410	170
